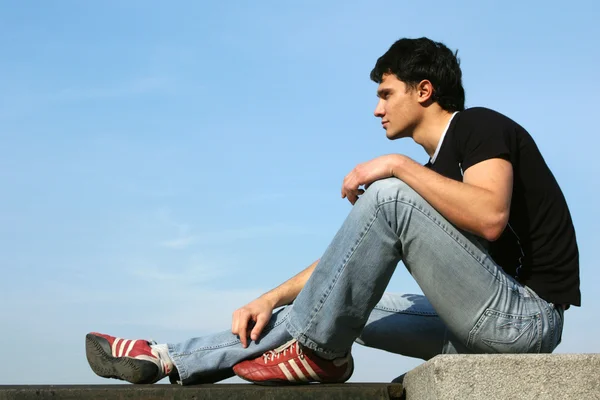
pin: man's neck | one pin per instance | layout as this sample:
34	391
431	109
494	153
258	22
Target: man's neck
430	131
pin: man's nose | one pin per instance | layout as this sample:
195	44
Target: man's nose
379	110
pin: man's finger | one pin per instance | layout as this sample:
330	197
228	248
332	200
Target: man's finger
347	192
234	323
242	332
346	185
261	322
352	196
344	190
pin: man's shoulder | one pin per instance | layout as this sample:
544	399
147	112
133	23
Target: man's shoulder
482	115
483	122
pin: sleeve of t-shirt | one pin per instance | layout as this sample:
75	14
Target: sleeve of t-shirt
482	136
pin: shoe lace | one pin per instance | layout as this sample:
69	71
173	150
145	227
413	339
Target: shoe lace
166	367
290	346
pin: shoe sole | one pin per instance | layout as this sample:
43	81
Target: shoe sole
99	356
276	382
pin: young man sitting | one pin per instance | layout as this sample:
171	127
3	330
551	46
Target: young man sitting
483	228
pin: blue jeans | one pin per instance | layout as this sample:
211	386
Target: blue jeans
469	305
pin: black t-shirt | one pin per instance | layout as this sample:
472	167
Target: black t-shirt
538	246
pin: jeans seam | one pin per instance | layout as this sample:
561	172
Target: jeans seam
551	321
540	334
549	309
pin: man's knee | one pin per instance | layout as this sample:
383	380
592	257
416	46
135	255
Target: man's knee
389	189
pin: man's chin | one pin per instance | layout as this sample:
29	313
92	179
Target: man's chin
392	135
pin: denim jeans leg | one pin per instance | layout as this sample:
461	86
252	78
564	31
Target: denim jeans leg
403	324
210	358
485	309
407	324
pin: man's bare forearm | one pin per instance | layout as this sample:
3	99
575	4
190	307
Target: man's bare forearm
480	210
287	292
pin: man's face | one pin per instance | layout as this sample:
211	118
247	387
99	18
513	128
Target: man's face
398	107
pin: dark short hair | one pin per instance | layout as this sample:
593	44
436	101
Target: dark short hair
413	60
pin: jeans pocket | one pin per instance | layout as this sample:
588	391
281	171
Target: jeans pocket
498	332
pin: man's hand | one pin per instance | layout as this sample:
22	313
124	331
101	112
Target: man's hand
257	313
367	173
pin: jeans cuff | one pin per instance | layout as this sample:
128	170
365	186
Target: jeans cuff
312	345
181	371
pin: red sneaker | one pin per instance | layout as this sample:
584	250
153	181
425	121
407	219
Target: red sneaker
129	360
293	364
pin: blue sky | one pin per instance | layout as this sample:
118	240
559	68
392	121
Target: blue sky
165	163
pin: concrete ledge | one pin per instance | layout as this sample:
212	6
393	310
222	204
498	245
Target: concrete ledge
358	391
523	376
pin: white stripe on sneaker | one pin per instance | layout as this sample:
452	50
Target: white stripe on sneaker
298	371
130	347
113	349
286	372
311	371
123	343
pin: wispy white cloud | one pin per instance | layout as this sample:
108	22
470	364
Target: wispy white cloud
193	275
258	198
159	301
152	192
179	243
274	196
230	235
20	102
185	237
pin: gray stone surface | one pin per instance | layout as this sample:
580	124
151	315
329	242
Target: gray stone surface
490	377
358	391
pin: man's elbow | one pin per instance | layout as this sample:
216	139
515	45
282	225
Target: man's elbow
495	226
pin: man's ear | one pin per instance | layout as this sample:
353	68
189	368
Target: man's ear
424	91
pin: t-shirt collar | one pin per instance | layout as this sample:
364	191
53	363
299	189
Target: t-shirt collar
439	146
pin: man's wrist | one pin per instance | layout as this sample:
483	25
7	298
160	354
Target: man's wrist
397	165
271	298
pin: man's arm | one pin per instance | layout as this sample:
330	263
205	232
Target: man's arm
480	204
259	311
287	292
